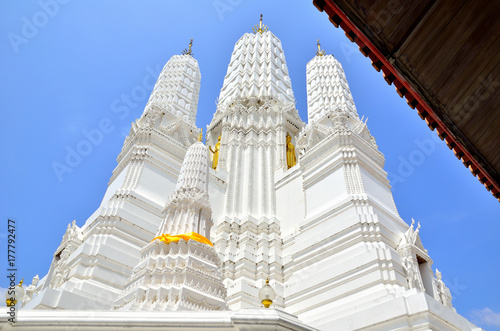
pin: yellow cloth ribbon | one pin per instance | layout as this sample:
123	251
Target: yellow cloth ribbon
167	238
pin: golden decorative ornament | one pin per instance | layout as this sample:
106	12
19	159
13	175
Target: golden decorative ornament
188	51
291	159
261	28
18	296
320	52
267	294
215	159
167	238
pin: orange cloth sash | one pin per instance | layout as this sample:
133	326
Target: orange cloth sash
167	238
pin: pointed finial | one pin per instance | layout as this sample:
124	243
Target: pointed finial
200	137
261	28
188	51
320	51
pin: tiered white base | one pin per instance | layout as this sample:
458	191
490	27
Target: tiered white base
413	310
182	275
244	320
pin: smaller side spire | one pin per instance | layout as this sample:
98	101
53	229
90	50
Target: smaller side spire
327	88
175	94
188	51
320	52
167	276
261	28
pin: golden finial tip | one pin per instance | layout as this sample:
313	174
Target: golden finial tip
188	51
320	52
261	28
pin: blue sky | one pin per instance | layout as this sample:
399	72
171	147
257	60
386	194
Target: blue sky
66	65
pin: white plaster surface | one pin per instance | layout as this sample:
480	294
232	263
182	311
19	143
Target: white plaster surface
326	232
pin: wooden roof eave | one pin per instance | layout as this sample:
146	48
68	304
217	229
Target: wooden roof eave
404	89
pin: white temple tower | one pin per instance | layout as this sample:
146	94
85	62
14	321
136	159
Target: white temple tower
307	206
256	109
351	261
92	264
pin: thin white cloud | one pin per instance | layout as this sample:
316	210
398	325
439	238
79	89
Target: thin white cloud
486	316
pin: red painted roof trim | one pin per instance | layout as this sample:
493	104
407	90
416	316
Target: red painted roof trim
404	89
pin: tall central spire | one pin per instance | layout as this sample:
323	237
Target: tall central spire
256	112
257	69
